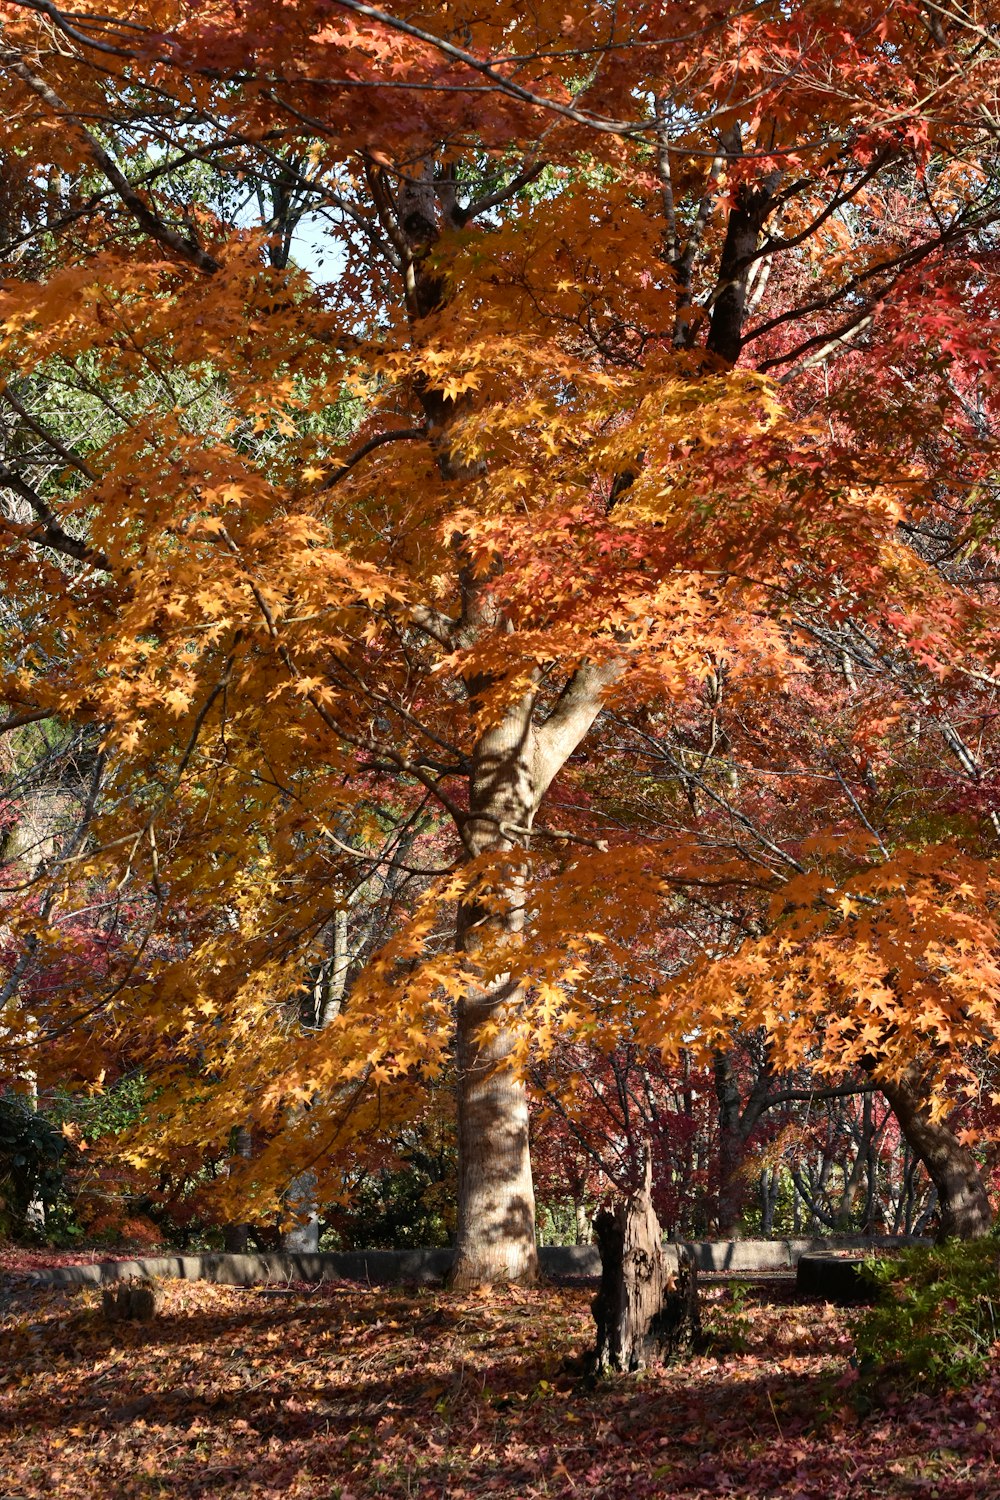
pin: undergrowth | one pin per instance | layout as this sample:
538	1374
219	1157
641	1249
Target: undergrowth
936	1320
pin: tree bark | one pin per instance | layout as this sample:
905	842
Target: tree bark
236	1237
750	209
646	1309
322	1006
965	1207
513	766
495	1239
731	1146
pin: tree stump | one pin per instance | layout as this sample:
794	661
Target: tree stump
130	1301
647	1304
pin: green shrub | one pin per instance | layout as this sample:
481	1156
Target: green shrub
32	1151
410	1200
49	1189
392	1209
937	1315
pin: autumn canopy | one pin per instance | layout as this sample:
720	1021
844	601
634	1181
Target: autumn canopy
510	492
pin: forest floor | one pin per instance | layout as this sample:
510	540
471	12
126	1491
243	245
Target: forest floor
343	1393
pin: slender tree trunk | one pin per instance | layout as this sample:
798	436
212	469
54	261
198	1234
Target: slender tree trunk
731	1144
770	1184
908	1191
965	1206
236	1237
852	1181
324	1005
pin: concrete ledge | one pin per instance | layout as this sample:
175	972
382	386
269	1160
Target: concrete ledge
429	1267
570	1260
782	1255
426	1267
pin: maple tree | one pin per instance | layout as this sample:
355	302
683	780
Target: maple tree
579	554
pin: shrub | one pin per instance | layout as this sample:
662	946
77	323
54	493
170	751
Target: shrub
937	1316
393	1209
32	1151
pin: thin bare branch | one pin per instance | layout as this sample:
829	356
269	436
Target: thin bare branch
183	247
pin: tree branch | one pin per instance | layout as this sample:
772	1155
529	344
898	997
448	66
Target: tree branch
492	200
397	435
47	532
185	248
433	622
46	436
577	707
30	716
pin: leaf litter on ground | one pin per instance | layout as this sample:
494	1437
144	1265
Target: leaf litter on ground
343	1393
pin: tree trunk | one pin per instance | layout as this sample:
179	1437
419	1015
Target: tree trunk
861	1163
752	203
769	1186
965	1206
731	1145
300	1199
323	1005
513	765
495	1238
236	1237
646	1308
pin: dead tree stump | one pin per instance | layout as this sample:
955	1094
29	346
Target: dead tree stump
131	1301
647	1305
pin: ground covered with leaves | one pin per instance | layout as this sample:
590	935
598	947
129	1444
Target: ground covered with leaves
315	1393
